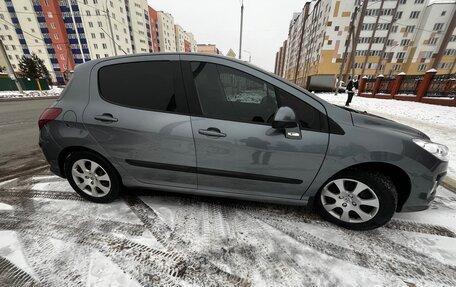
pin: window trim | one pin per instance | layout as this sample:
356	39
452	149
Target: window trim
179	92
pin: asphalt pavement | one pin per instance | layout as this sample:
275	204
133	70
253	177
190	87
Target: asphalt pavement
19	135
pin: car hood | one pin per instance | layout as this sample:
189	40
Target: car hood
364	119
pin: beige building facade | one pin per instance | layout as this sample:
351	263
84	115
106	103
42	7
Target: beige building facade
391	36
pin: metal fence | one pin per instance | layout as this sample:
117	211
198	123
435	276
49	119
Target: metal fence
442	86
386	86
410	85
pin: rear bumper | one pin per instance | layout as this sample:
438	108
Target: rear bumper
51	151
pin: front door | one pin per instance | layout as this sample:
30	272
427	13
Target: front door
138	114
237	149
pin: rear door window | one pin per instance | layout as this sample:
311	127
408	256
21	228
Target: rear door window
154	85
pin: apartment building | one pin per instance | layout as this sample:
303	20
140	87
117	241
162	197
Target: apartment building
185	41
166	32
391	36
153	19
280	60
208	49
65	33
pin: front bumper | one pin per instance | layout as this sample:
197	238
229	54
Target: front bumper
424	189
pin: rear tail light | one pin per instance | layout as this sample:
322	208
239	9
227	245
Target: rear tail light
48	115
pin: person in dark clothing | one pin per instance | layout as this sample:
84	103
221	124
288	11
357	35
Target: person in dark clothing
352	88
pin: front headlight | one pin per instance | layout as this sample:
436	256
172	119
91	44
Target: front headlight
438	150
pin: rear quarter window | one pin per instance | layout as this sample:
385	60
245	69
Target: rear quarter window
142	85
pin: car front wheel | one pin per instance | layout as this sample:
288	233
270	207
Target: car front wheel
92	177
358	200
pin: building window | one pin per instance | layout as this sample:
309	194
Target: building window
50	15
95	46
59	47
433	41
53	25
422	67
97	56
453	38
438	26
394	29
409	29
400	55
104	46
443	13
396	67
414	14
62	56
88	12
419	1
398	15
450	52
446	66
102	35
402	1
90	24
405	42
56	36
427	54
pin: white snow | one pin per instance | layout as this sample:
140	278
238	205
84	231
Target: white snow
54	91
11	249
269	245
438	122
52	185
4	206
102	267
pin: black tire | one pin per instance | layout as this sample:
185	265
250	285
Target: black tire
383	188
115	183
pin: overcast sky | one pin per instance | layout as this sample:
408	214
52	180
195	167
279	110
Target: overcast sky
217	22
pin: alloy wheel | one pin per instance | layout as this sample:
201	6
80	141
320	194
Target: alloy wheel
349	200
91	178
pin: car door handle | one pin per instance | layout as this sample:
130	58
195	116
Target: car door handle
212	132
106	118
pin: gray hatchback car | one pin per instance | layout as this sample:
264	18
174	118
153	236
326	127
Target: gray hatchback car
216	126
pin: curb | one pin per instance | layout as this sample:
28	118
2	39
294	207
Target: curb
27	99
449	183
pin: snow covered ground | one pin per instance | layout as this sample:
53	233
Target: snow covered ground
54	91
49	236
438	122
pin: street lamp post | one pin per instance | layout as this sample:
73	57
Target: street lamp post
240	36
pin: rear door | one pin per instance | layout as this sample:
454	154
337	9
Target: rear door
237	149
138	114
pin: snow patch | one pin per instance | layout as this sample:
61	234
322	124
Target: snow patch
101	268
4	206
11	249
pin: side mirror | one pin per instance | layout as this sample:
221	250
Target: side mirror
285	119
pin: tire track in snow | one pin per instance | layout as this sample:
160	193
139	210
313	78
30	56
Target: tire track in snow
60	195
371	261
145	264
196	269
13	276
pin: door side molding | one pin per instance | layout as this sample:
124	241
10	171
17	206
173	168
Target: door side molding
214	172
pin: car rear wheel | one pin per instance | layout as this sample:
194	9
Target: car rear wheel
358	200
92	177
